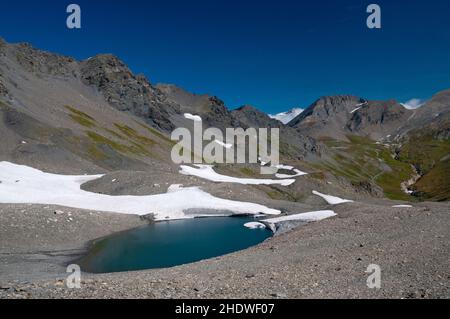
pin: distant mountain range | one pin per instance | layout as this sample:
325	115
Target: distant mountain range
99	116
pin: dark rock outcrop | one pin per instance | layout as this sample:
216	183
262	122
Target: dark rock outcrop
42	63
127	92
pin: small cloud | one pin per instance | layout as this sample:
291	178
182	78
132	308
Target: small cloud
413	104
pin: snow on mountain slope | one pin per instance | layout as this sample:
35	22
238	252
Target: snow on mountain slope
303	217
286	117
413	104
207	172
332	200
23	184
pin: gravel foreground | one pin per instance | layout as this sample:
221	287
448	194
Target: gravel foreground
326	259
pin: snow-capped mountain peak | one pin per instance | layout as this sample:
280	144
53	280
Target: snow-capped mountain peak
286	117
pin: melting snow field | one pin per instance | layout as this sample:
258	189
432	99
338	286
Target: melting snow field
402	206
306	217
26	185
207	172
332	200
296	171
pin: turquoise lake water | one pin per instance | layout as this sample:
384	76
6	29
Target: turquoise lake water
167	244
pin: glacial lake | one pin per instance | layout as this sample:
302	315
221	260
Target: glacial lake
171	243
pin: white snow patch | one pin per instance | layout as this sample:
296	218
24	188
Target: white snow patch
332	200
297	173
286	117
195	118
402	206
223	144
305	217
174	188
207	172
358	108
26	185
413	104
255	225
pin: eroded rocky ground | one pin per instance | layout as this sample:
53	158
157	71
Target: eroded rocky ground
326	259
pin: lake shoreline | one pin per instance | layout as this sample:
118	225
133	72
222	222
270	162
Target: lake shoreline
325	259
17	262
49	238
172	242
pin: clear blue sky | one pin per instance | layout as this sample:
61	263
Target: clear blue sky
271	54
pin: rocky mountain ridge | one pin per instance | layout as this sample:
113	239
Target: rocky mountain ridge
99	115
